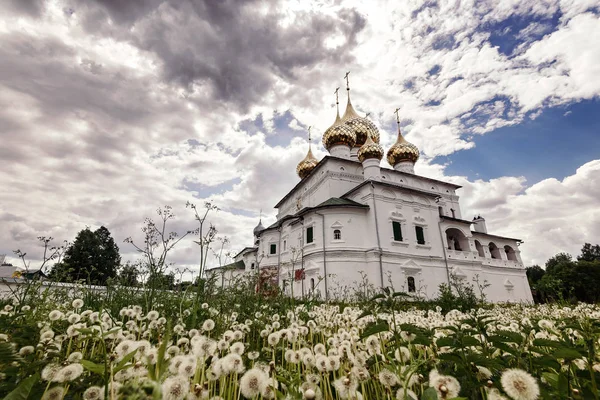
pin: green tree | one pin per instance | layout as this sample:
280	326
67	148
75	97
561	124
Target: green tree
560	258
128	275
534	274
93	258
589	253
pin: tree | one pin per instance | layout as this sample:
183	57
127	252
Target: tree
128	275
589	253
534	274
560	258
93	258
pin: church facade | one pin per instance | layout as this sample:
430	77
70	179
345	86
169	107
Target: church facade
350	224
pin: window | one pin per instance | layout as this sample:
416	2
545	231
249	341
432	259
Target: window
420	234
453	214
284	245
411	284
309	234
337	234
252	266
397	231
273	249
312	284
441	210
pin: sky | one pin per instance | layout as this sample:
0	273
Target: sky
111	109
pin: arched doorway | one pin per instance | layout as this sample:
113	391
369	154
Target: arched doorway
479	248
510	253
494	251
457	240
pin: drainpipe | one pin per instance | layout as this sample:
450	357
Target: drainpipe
279	255
324	257
377	231
443	246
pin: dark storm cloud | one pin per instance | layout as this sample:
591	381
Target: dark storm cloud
226	50
32	8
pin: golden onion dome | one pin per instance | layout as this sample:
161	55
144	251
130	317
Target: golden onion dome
362	126
402	150
309	162
370	150
338	133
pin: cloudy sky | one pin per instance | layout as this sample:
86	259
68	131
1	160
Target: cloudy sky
110	109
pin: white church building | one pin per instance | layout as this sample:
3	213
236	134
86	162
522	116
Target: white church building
350	221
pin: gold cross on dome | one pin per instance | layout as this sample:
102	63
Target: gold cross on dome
309	128
396	111
347	80
337	89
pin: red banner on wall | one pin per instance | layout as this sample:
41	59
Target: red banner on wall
299	275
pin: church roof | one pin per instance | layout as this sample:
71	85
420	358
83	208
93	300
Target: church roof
393	185
234	265
334	202
245	249
460	221
496	236
324	161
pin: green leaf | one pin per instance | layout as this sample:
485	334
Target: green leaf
124	361
110	332
365	313
551	379
546	343
448	341
509	336
8	354
22	391
565	352
429	394
378	296
93	367
375	328
470	341
401	294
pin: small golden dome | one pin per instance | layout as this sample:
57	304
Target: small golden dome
370	150
338	133
361	126
402	150
309	162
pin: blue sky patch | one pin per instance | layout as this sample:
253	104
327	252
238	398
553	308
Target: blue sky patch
555	144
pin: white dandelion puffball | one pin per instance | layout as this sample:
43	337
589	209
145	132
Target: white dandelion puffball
208	325
175	388
252	382
69	373
94	393
77	304
519	385
56	393
447	387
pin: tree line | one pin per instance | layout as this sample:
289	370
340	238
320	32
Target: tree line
93	258
567	279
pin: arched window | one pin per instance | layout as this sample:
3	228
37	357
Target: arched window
453	213
510	253
337	234
411	284
312	284
494	251
479	248
441	210
457	240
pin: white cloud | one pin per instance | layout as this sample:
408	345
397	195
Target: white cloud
94	133
551	216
